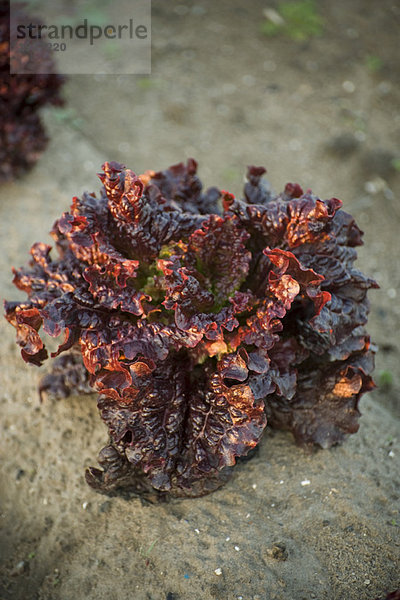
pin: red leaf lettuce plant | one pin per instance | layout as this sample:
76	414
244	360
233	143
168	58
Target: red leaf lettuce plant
22	135
198	328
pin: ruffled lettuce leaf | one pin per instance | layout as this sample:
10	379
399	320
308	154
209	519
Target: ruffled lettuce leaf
183	432
197	329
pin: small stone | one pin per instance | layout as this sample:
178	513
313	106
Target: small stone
20	474
237	548
218	571
20	568
384	87
105	506
367	582
348	87
375	186
325	523
305	482
360	135
277	551
272	15
352	33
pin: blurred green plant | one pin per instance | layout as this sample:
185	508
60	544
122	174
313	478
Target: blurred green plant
298	20
373	63
146	83
146	553
395	162
385	379
68	116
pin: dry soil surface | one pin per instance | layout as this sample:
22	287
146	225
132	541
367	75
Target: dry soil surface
289	525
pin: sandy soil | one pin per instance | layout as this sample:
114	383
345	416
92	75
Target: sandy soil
317	112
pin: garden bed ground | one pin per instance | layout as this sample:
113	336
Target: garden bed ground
324	113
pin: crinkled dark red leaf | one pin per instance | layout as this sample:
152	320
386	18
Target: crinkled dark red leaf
68	376
279	374
108	290
27	321
223	422
257	190
290	279
325	407
181	184
181	435
202	279
218	251
22	135
196	328
142	219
